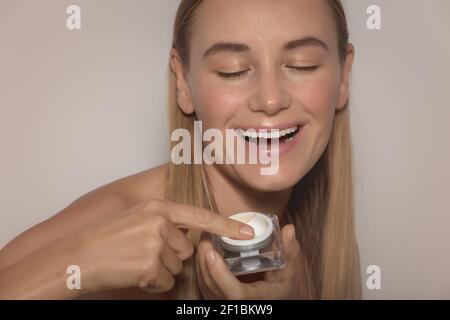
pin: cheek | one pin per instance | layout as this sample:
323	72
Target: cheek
215	104
318	98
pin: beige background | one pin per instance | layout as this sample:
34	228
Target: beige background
82	108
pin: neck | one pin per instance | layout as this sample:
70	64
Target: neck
232	197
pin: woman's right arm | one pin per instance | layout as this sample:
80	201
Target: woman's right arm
41	252
142	247
41	274
101	204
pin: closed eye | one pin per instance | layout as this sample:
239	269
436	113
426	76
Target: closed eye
232	75
305	68
243	72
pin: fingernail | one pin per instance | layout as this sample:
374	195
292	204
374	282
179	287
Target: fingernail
247	231
211	256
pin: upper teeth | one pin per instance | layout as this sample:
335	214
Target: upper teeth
267	133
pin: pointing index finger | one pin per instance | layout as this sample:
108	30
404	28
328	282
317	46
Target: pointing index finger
200	218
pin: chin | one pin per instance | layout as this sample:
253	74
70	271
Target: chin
285	178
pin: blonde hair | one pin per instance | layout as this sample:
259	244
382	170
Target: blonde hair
321	203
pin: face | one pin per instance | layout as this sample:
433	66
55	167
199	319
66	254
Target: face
282	71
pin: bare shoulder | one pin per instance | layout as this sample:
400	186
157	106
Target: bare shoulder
100	204
143	185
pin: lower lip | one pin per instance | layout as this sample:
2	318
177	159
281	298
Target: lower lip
283	148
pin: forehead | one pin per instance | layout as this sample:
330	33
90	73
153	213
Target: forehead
260	23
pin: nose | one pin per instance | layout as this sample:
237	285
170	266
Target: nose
270	96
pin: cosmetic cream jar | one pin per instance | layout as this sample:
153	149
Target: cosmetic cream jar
261	253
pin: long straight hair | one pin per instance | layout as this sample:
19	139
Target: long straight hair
321	203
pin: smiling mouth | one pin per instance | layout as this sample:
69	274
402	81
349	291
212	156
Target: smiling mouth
257	136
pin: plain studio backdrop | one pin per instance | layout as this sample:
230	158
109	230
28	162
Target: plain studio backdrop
79	109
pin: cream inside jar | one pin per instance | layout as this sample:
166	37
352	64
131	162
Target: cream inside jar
261	224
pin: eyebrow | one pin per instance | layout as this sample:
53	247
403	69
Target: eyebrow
240	47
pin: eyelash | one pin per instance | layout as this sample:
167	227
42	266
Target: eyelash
241	73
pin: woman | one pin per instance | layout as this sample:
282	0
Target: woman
234	64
